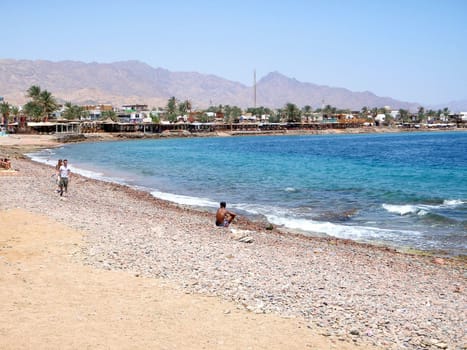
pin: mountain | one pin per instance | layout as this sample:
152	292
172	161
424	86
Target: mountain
454	106
136	82
277	87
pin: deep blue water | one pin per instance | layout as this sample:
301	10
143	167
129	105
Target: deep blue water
404	189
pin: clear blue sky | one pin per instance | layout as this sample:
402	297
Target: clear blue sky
411	50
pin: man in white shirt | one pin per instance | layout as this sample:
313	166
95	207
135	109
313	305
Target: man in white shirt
65	174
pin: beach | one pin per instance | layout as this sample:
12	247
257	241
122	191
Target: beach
108	266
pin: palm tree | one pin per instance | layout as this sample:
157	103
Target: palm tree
42	100
421	113
364	112
183	107
307	112
109	114
171	108
48	103
279	115
73	111
5	111
14	112
404	115
33	110
34	92
292	112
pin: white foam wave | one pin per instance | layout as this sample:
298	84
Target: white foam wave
420	209
290	189
453	202
337	230
45	157
401	209
422	212
186	200
258	209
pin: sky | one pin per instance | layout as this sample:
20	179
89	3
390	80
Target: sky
410	50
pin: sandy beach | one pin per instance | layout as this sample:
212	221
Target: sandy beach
107	266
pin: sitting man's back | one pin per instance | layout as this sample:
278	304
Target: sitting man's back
223	216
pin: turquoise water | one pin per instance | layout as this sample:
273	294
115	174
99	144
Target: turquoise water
404	189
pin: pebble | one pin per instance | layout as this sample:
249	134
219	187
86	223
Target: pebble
352	292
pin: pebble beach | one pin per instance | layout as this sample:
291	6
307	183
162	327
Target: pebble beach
350	292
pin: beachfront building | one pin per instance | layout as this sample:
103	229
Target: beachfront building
135	107
94	112
380	119
135	113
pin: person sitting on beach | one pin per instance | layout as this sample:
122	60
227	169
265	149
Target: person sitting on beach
5	163
223	216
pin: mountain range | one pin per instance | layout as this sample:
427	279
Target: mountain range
131	82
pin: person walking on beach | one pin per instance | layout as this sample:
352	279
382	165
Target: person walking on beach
57	171
65	175
223	216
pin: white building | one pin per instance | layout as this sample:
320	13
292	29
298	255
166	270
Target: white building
380	118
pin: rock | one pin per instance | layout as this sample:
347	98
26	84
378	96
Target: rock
438	261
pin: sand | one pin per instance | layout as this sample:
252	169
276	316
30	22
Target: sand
48	301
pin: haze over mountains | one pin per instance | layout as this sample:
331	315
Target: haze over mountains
136	82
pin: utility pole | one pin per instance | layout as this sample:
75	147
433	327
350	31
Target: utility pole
254	88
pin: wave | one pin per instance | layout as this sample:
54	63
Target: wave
401	209
420	209
338	230
290	189
453	202
44	157
437	219
186	200
281	216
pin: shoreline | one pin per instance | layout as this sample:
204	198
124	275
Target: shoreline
34	143
106	137
352	293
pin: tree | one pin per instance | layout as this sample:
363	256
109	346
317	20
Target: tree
421	113
236	112
48	103
307	112
404	115
183	107
171	109
5	111
446	113
431	115
364	112
33	110
14	112
73	112
292	113
231	113
42	101
109	114
34	92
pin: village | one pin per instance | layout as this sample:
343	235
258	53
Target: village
44	115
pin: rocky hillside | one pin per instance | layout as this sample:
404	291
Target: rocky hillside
136	82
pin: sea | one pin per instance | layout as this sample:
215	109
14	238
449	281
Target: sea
403	190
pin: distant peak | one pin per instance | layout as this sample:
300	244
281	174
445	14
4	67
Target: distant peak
275	77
